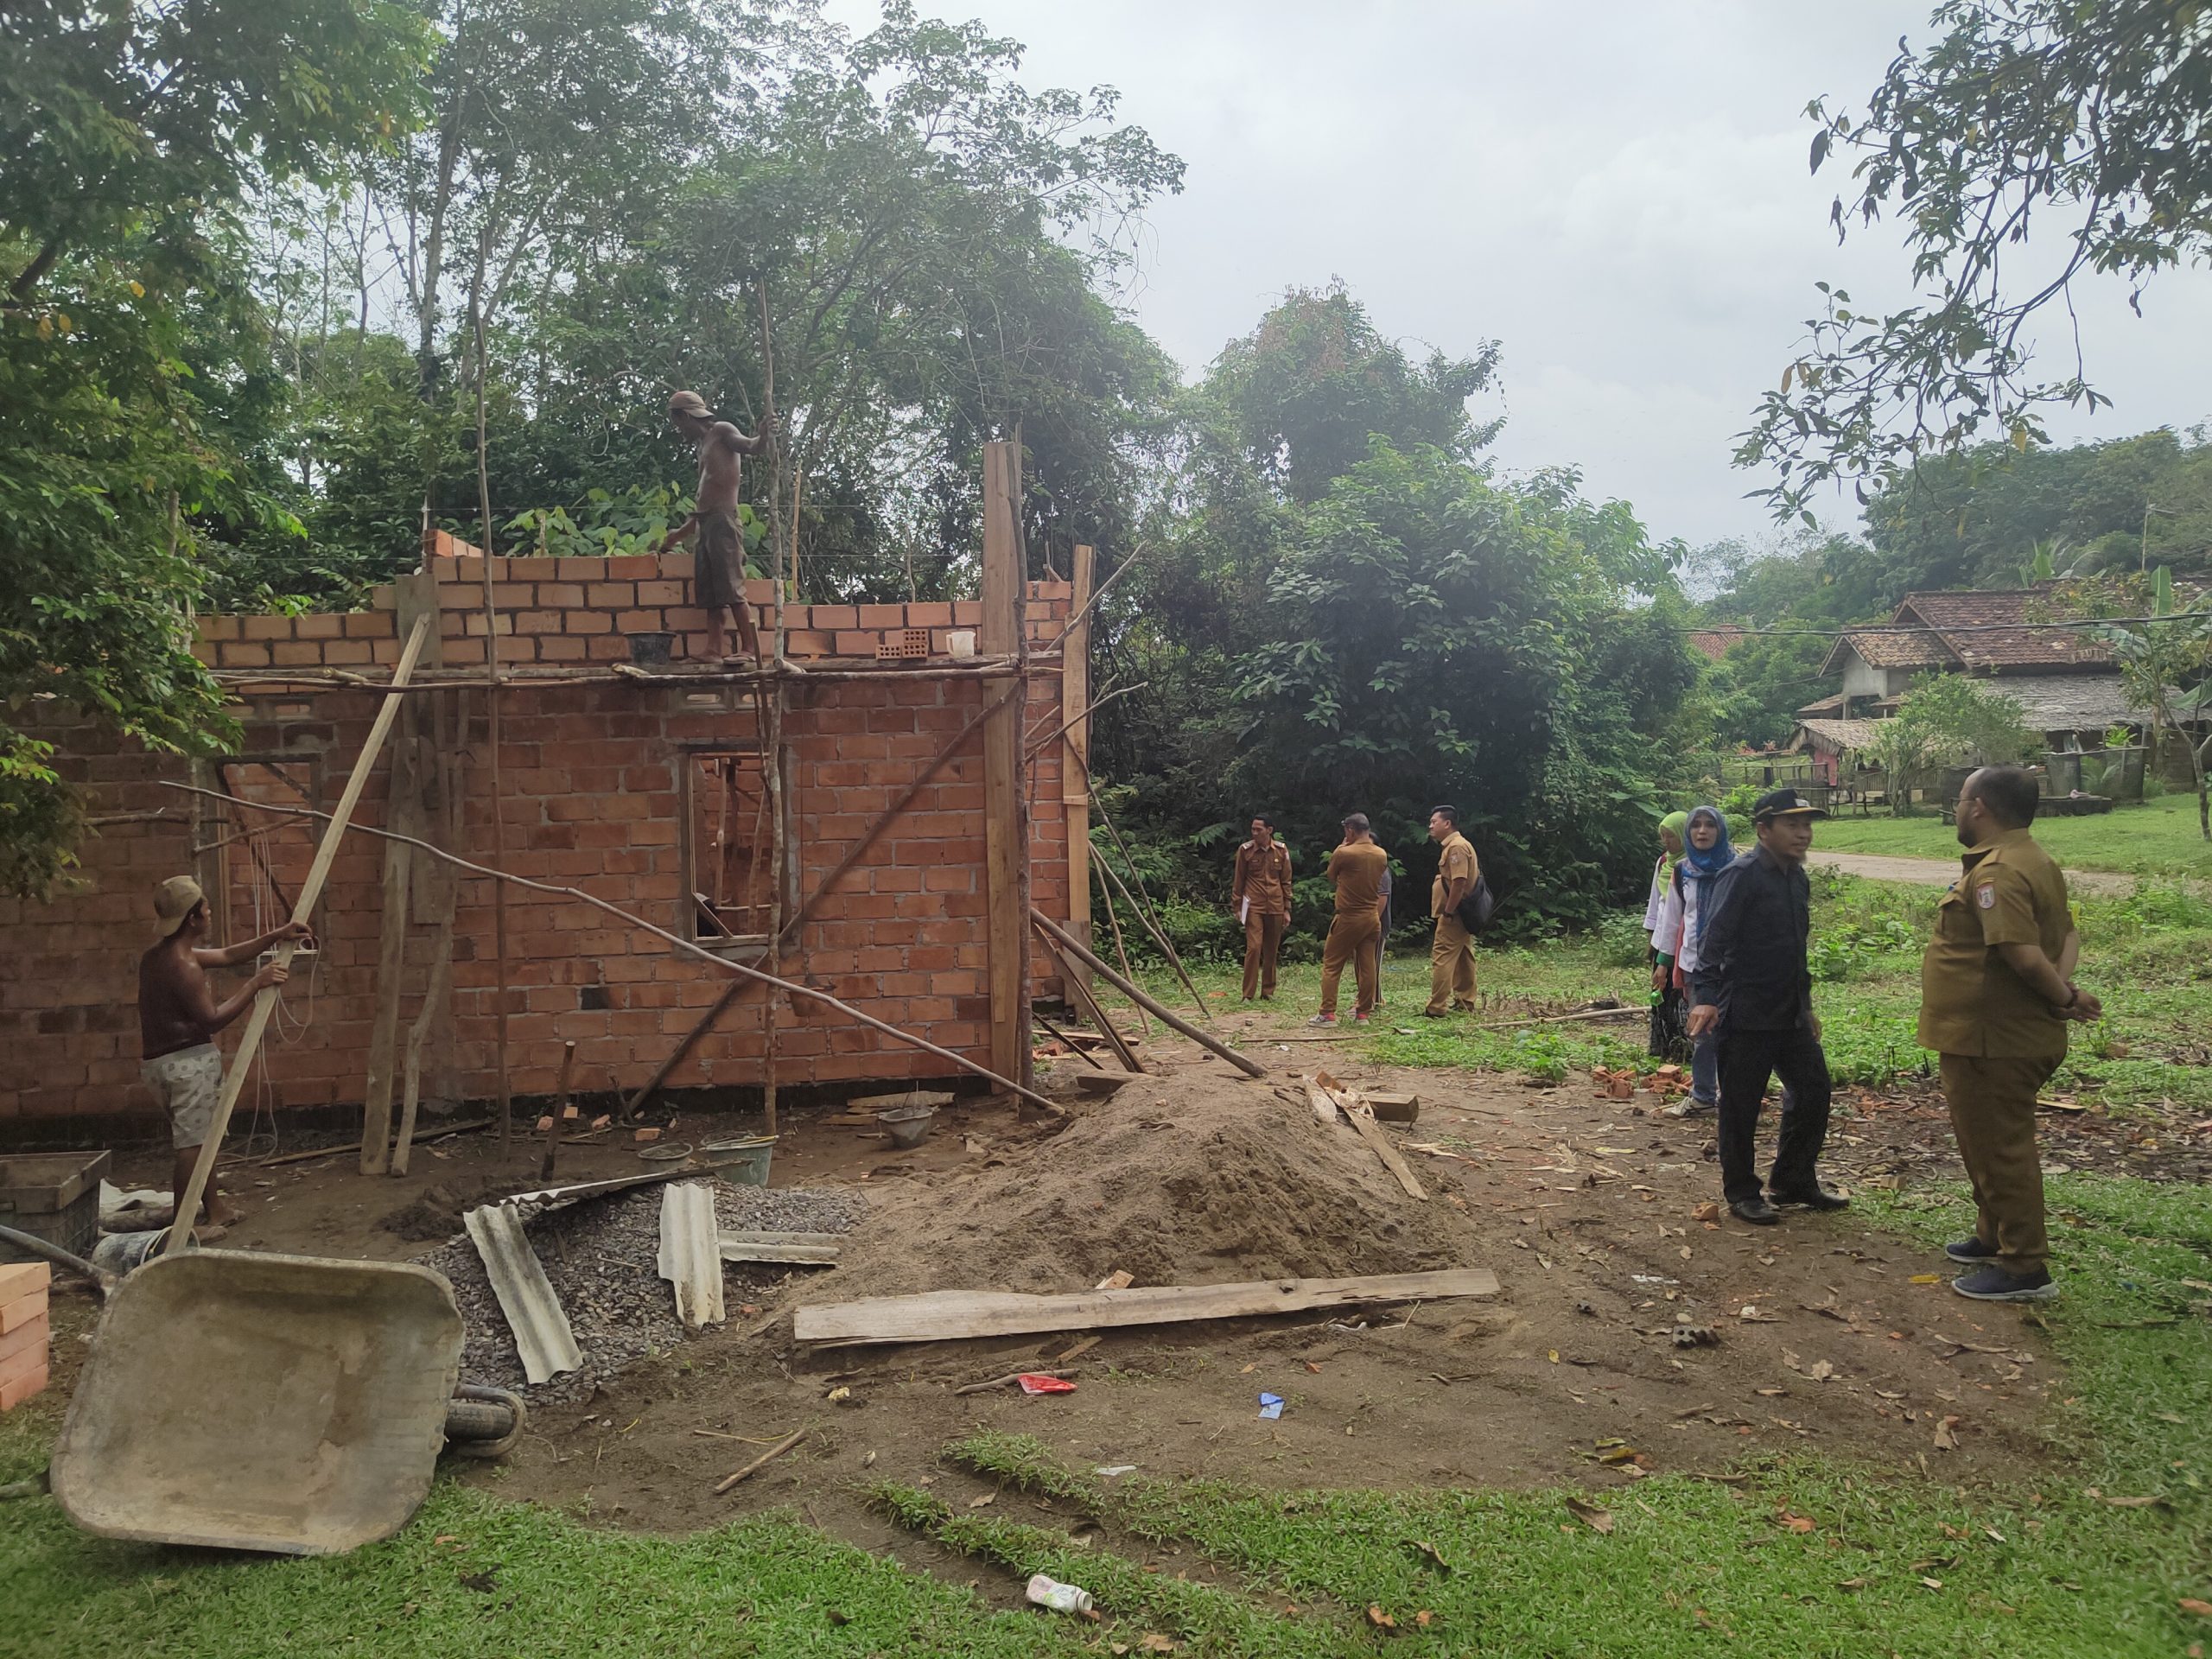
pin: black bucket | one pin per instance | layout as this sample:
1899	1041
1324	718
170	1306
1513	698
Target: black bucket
648	649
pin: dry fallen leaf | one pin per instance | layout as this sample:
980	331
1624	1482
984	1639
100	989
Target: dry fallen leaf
1424	1618
1820	1370
1707	1211
978	1503
1945	1439
2191	1605
1932	1584
1927	1279
1153	1641
2135	1502
1598	1520
1432	1555
1379	1619
1793	1522
1311	1367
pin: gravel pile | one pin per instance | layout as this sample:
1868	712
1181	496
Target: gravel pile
598	1256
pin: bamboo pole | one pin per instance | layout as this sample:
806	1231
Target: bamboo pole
188	1202
491	719
690	948
1121	953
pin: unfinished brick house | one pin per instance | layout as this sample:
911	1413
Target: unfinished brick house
641	783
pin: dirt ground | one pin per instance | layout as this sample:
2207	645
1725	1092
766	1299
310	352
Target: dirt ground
1826	1336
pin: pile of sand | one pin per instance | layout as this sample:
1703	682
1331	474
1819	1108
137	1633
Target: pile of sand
1190	1180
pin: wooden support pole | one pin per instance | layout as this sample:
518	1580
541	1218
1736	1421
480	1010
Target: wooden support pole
560	1110
1137	994
1074	770
491	715
442	888
1088	1003
1005	849
188	1202
1121	950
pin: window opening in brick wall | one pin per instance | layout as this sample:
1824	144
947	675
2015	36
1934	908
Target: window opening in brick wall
265	858
729	855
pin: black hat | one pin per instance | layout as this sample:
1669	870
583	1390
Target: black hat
1784	804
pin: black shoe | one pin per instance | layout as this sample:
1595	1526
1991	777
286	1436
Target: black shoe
1758	1211
1970	1249
1814	1197
1994	1284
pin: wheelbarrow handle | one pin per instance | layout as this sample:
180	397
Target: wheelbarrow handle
104	1281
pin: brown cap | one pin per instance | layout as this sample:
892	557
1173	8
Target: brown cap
173	902
691	403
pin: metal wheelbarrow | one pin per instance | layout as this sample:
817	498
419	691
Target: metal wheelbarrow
285	1403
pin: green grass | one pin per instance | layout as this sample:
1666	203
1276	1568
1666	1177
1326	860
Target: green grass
2159	837
2149	955
2047	1569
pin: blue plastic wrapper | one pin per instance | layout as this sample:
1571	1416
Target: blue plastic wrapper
1271	1404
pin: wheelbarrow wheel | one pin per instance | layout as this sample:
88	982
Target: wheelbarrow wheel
483	1423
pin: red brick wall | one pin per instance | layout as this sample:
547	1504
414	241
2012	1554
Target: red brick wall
590	800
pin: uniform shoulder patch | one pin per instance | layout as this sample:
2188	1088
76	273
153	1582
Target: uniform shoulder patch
1985	895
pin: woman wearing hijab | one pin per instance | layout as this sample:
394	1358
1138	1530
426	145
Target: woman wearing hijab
1669	1038
1706	855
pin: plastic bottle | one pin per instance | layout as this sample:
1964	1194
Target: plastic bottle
1060	1598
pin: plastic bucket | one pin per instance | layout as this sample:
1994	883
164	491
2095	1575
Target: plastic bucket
741	1163
649	648
123	1253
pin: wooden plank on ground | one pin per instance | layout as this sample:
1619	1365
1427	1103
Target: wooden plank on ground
542	1339
810	1256
1361	1116
942	1315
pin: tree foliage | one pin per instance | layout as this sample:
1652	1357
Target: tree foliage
2017	114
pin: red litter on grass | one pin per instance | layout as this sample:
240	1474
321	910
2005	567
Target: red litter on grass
1033	1384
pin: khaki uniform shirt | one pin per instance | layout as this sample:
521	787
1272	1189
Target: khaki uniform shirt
1455	861
1971	1001
1262	877
1357	871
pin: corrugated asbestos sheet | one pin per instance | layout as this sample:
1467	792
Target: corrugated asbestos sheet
690	1253
542	1339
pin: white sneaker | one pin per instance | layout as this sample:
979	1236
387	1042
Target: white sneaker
1691	1106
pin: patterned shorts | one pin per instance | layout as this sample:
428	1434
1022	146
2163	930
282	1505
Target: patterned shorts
188	1083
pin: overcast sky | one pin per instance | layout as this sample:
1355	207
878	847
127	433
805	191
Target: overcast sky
1616	192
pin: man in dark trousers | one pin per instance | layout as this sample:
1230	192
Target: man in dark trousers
1996	992
1261	900
1752	986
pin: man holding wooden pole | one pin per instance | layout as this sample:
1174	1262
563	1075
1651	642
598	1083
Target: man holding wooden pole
178	1018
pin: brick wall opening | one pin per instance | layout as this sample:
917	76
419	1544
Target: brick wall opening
263	859
728	865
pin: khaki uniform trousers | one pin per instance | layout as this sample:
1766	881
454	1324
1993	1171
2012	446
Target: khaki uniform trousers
1351	939
1451	967
1263	940
1992	1105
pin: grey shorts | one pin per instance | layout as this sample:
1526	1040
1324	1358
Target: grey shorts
188	1083
718	561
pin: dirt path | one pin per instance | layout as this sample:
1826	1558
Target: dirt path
1939	872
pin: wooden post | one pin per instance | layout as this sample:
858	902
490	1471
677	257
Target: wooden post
1006	848
560	1114
188	1202
1074	770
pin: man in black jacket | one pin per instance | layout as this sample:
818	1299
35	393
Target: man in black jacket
1752	984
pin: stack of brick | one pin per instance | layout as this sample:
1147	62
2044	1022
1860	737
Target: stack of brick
575	612
23	1331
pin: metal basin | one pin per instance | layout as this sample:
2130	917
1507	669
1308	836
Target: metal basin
286	1404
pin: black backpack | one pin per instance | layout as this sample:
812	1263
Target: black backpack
1479	906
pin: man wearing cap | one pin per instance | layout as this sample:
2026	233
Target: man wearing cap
1752	987
1357	870
1996	991
178	1018
718	558
1259	896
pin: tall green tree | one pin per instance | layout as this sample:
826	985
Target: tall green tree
2074	129
130	136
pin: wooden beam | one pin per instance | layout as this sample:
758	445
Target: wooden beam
860	849
187	1203
403	811
1074	770
1137	995
946	1314
1006	848
1068	962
